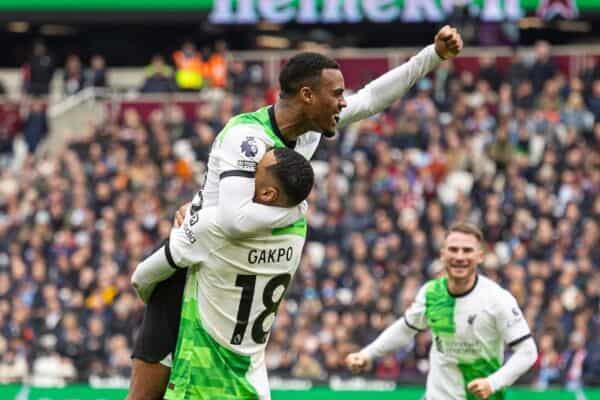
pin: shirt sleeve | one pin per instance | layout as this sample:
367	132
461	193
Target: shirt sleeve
524	356
414	316
396	336
149	272
193	241
510	321
389	87
241	148
238	215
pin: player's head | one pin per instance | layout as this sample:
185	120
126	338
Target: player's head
283	178
462	251
316	83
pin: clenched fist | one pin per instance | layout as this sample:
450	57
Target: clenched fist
448	42
357	362
480	387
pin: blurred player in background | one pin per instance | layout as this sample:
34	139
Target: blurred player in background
471	319
233	288
311	103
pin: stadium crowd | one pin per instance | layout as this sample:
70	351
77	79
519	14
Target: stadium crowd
516	153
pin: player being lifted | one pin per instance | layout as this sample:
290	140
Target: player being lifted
311	103
471	319
233	288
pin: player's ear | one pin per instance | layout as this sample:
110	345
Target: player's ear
480	255
306	95
268	195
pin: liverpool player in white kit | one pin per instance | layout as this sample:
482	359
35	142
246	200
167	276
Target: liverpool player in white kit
471	319
311	103
233	288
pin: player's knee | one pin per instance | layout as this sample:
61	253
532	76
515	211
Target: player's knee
148	381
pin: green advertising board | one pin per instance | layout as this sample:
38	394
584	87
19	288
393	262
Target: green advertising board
76	392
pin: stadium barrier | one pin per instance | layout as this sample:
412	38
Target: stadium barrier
82	392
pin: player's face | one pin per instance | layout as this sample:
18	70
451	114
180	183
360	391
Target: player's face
328	101
461	255
266	188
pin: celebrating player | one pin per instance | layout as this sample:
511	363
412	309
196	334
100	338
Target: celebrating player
233	288
311	103
471	319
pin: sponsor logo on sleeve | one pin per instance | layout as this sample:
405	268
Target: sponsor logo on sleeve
249	147
516	318
247	164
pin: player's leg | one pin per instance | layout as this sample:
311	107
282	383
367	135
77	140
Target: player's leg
202	367
148	381
157	339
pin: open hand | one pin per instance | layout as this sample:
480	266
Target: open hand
180	215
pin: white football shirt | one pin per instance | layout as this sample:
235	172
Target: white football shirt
469	334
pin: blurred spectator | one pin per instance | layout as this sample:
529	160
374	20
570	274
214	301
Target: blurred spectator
73	78
95	75
488	71
35	127
589	73
159	77
308	367
49	368
573	359
517	71
216	65
388	368
543	68
574	114
591	364
13	365
37	73
594	100
189	68
238	76
548	362
10	126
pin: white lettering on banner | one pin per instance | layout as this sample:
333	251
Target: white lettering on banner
491	10
421	10
278	11
351	11
307	12
331	11
381	10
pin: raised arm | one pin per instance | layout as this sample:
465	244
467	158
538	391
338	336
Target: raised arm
391	86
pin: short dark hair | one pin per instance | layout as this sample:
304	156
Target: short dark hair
304	69
467	228
294	173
